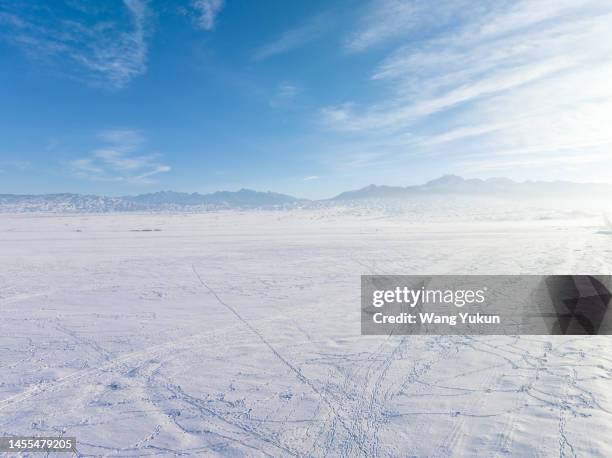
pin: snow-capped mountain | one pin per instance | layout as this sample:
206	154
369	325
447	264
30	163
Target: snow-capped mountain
241	198
493	187
165	200
446	188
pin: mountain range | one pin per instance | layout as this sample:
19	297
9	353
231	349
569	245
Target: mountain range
447	185
492	187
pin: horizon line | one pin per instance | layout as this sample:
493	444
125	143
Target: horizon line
371	185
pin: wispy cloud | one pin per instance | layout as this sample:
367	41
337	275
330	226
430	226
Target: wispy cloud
383	20
88	46
504	78
572	160
306	32
119	159
206	12
310	178
284	95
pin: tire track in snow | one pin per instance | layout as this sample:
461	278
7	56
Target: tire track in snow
298	373
137	357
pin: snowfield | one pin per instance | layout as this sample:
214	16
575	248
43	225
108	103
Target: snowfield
237	333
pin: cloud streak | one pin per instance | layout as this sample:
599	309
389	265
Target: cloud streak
119	160
505	78
87	46
384	20
206	12
285	95
310	30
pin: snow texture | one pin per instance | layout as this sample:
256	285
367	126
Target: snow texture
237	333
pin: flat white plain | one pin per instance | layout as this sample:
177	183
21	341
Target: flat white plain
237	333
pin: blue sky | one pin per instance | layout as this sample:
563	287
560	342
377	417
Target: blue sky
307	98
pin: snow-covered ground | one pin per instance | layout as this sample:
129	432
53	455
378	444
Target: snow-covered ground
238	334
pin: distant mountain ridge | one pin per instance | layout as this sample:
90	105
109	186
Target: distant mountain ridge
492	187
163	200
447	185
243	197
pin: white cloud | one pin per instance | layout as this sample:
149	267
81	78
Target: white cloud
119	159
206	12
310	30
572	160
122	136
97	50
310	178
391	19
506	79
285	95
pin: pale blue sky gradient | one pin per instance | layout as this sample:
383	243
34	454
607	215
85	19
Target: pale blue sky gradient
306	98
